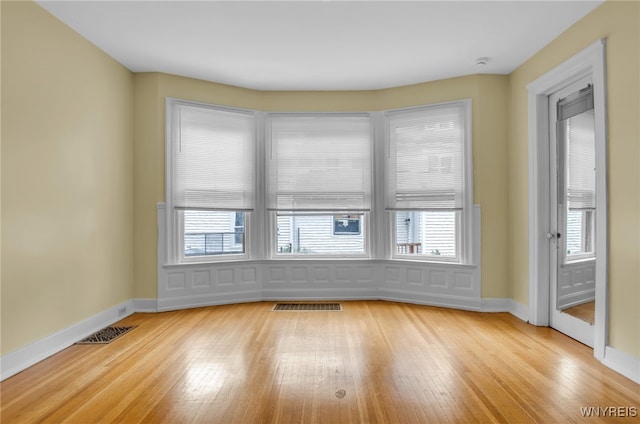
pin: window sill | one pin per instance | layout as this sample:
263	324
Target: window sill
578	262
429	262
321	260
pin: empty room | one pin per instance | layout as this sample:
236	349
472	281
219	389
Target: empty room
320	211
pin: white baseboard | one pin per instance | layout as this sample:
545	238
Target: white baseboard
519	310
276	294
506	305
21	359
145	305
443	301
194	301
622	363
496	304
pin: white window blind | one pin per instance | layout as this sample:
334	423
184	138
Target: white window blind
425	158
319	163
213	158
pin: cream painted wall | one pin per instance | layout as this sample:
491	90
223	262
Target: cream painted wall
67	177
489	96
619	23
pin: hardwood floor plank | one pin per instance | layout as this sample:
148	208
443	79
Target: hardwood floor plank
374	362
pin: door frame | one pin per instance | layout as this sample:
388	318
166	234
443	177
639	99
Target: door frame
588	62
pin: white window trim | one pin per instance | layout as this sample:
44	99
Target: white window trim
270	216
174	222
464	241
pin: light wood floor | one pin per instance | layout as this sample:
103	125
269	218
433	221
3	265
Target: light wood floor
585	312
374	362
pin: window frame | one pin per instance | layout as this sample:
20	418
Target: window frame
271	215
464	219
175	218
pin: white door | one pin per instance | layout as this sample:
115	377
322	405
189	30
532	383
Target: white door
572	210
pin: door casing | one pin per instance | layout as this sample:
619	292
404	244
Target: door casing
590	62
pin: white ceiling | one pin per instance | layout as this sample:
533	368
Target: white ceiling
320	45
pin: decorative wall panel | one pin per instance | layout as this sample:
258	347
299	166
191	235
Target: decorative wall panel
576	283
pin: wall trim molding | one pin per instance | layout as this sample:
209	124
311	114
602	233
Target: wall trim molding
145	305
519	310
622	363
490	304
442	301
312	294
21	359
516	309
199	301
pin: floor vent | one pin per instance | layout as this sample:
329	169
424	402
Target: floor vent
106	335
307	307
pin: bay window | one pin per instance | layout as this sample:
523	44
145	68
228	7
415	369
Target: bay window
250	185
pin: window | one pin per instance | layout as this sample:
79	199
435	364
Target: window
431	233
304	234
211	189
303	185
319	167
427	184
346	224
213	233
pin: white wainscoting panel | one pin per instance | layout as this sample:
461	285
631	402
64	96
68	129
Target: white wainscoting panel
454	286
320	280
194	285
576	283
